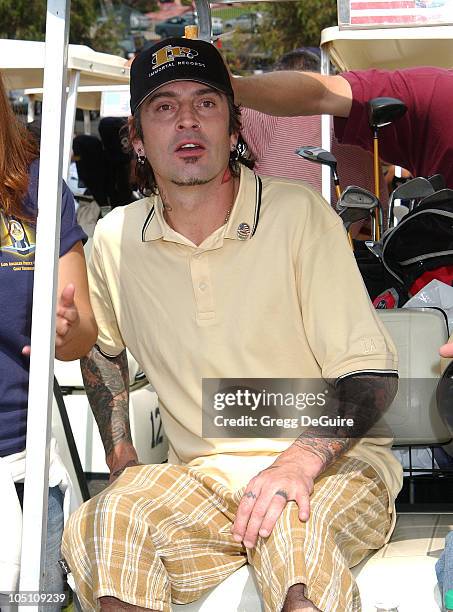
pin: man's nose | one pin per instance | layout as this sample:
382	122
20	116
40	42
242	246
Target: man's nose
188	119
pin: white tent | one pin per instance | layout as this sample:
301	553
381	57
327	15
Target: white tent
389	48
22	66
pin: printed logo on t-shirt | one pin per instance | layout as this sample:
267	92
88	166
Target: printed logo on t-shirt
17	239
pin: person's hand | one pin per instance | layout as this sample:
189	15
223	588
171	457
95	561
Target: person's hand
67	319
446	350
122	456
67	316
289	478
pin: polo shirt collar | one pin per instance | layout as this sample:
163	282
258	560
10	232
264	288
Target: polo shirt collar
245	213
156	228
243	221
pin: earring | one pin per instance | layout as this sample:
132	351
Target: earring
234	154
141	158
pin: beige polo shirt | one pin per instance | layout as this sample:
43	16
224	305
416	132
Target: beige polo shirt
281	299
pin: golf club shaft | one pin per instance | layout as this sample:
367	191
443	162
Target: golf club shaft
350	240
336	182
377	221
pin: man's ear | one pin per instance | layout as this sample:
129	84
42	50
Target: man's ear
134	139
234	140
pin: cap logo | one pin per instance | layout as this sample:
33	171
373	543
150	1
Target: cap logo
169	53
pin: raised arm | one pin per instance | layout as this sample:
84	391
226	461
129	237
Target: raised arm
106	381
364	398
291	93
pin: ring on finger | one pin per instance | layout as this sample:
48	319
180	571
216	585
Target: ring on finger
282	493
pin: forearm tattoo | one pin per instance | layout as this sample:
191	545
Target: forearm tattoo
364	398
106	381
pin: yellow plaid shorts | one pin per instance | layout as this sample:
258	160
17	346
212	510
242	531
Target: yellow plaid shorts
161	534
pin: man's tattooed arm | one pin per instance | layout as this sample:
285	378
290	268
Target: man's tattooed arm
106	381
363	398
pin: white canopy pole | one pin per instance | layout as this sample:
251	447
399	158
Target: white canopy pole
43	319
203	8
86	122
31	109
325	134
71	107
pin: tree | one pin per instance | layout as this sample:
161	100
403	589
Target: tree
145	6
106	36
289	25
26	19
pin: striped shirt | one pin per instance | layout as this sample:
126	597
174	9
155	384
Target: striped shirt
273	141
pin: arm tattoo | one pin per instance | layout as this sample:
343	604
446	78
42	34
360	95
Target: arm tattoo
363	398
106	381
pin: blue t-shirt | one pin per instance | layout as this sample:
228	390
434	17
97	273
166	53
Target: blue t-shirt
17	257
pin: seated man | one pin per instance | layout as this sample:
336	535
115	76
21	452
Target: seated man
220	273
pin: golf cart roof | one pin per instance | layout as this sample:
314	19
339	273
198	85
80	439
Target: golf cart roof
89	97
389	48
22	64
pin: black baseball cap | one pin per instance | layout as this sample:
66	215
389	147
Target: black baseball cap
177	59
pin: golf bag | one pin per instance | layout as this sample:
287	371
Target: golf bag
418	250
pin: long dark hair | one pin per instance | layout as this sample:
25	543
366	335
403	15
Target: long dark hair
144	174
17	150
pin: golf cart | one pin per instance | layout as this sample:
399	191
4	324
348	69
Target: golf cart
391	572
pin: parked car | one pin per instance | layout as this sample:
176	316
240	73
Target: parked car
245	22
174	26
131	19
139	21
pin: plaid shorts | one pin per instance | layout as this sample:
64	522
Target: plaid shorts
161	534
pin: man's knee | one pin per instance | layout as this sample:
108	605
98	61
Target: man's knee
296	600
112	604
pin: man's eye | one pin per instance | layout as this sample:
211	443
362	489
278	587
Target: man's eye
164	107
207	103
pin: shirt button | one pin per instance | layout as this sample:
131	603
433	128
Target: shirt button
202	286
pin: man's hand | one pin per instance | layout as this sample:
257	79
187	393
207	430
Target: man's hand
290	478
67	319
122	456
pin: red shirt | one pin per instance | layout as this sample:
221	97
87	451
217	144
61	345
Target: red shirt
422	140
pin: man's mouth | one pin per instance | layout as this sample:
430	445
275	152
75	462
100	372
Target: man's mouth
189	149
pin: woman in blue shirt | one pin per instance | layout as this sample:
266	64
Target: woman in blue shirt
76	329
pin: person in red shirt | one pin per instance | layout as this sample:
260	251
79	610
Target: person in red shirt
420	141
272	140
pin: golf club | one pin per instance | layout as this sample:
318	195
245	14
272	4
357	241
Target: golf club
437	181
415	189
355	204
325	158
381	112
